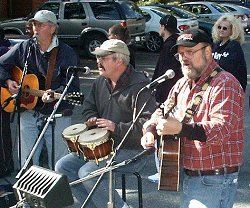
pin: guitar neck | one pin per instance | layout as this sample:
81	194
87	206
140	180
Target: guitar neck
39	93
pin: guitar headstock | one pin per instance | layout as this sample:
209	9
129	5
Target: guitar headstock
74	98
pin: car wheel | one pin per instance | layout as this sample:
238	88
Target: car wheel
91	42
154	42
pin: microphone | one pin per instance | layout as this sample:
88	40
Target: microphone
83	69
141	155
169	74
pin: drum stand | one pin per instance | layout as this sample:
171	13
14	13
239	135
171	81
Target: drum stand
108	167
49	119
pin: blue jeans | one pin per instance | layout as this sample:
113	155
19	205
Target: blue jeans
31	124
217	191
75	167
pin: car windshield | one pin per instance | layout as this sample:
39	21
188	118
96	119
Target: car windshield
183	13
131	11
219	8
161	12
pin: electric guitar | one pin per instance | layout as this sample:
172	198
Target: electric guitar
169	153
30	92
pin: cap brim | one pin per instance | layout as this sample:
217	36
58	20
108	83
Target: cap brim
38	19
101	52
183	43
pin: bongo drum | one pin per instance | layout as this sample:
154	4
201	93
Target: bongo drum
96	144
71	135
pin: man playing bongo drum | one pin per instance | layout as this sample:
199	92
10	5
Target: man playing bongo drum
110	106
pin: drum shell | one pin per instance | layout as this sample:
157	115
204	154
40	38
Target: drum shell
71	135
96	149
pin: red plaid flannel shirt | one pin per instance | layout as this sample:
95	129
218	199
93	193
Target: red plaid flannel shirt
221	114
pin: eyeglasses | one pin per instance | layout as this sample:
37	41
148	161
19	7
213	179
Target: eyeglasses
188	54
39	24
102	58
223	28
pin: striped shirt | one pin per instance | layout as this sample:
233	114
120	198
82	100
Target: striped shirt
221	114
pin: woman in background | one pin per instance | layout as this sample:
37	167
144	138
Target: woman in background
228	36
120	32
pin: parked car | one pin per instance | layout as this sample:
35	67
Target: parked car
204	23
210	10
153	14
241	9
85	23
204	9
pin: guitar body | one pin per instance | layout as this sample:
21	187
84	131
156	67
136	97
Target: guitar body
169	176
30	93
27	100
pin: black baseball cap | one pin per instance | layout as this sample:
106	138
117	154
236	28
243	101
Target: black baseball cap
169	21
191	37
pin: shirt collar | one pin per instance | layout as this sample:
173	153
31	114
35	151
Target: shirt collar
54	43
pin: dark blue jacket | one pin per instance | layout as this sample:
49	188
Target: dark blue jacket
230	57
4	46
37	63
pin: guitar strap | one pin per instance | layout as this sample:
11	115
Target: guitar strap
51	66
198	98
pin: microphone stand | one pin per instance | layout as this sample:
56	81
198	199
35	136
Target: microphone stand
17	102
110	203
50	118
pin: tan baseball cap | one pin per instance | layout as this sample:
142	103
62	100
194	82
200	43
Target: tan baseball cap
111	46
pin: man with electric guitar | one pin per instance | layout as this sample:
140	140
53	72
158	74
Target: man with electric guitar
203	114
34	73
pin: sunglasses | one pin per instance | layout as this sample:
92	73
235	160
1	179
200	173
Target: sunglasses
223	28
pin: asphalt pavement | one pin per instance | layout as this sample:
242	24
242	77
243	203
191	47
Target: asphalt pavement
152	197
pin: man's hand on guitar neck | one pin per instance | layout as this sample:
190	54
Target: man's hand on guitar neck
169	126
12	86
48	96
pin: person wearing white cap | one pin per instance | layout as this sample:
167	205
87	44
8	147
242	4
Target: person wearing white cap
110	105
47	58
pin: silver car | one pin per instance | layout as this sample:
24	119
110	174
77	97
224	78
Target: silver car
85	23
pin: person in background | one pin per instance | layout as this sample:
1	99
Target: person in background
120	32
42	51
228	36
29	29
168	31
6	160
111	105
211	132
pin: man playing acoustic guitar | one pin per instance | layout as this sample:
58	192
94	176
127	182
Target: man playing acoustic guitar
45	58
208	116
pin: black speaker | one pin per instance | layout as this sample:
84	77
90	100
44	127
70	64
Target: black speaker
43	188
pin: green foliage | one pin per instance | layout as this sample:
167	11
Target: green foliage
149	2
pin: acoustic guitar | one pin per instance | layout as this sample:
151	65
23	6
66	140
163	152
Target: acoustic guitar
169	153
30	92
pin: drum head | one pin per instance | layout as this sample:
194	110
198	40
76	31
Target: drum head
93	136
74	130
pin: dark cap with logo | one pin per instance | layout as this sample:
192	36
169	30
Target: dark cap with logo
191	37
169	21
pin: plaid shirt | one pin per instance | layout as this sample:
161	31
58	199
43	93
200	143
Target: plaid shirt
221	114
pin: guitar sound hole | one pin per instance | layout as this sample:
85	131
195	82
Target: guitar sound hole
25	91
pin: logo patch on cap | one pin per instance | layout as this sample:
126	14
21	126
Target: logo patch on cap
185	37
